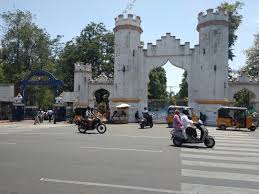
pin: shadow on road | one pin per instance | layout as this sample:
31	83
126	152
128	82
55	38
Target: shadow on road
234	130
86	133
190	146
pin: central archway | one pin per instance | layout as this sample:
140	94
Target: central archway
164	90
102	100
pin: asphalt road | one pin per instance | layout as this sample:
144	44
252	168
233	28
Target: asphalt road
50	158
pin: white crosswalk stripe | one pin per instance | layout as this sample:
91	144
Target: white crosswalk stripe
209	189
237	149
227	168
220	165
235	144
210	151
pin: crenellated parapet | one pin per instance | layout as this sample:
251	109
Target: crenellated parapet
212	17
81	67
128	22
243	78
168	45
102	79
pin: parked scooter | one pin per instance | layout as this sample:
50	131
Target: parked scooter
83	125
178	138
146	121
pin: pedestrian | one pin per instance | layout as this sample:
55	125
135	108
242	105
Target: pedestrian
50	113
36	117
54	116
137	116
108	115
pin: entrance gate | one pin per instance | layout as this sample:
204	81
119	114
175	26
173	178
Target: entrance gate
39	78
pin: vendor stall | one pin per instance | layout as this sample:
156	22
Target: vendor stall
120	115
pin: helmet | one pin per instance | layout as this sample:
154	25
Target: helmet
185	111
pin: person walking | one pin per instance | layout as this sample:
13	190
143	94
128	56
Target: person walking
54	116
36	117
137	116
50	113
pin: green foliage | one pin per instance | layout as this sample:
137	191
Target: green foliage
102	107
44	98
41	96
95	45
243	98
2	76
25	46
157	84
252	57
183	92
235	20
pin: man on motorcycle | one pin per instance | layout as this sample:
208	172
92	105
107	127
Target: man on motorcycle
147	115
88	119
187	124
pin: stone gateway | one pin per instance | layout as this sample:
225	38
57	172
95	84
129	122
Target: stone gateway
206	65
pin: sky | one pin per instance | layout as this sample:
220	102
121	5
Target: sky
179	17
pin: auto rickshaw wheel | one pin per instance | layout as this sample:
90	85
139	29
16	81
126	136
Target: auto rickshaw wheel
252	128
222	127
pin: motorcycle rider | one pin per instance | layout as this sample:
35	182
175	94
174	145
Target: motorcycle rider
88	116
147	115
177	124
187	124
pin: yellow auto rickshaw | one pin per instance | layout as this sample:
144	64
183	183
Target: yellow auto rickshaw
236	117
171	111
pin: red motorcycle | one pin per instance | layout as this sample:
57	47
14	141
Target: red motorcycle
83	125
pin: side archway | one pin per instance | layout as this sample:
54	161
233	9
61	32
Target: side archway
244	98
40	78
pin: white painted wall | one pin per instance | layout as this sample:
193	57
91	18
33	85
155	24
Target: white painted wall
6	93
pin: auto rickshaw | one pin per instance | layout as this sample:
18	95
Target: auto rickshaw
236	117
171	111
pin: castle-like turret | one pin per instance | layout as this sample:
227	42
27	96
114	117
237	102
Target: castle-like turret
213	49
127	40
219	17
82	74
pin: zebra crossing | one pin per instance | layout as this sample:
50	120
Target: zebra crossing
231	167
6	129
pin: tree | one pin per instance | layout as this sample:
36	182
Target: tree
243	98
252	57
95	45
235	20
2	76
183	92
25	46
157	84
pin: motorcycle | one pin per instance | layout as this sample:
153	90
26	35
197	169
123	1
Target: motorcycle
178	138
83	125
146	122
